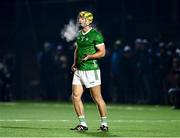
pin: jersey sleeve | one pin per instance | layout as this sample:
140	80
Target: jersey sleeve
99	40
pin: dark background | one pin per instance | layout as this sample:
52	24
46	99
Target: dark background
26	24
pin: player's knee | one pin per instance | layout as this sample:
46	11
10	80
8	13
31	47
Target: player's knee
98	99
76	97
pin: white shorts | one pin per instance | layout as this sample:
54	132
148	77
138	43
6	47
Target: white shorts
89	78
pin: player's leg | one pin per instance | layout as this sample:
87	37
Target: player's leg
77	91
97	97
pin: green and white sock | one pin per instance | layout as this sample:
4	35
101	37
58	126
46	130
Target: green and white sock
104	120
82	121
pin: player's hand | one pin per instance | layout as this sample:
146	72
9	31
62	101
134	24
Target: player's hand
73	67
86	58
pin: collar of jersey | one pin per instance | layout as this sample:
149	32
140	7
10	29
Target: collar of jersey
87	31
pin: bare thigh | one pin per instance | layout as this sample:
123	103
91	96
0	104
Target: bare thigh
77	91
96	93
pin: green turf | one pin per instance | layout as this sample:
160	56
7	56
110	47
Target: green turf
55	119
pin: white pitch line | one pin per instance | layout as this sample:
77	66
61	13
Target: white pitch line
113	121
143	121
98	137
28	120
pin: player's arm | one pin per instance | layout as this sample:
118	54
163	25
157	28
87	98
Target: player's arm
75	55
74	66
101	51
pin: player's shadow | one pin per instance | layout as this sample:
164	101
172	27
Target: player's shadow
98	134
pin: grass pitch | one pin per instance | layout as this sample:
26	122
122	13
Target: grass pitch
21	119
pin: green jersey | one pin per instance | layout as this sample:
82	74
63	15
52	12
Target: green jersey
87	43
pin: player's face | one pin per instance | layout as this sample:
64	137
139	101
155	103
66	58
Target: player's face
82	22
